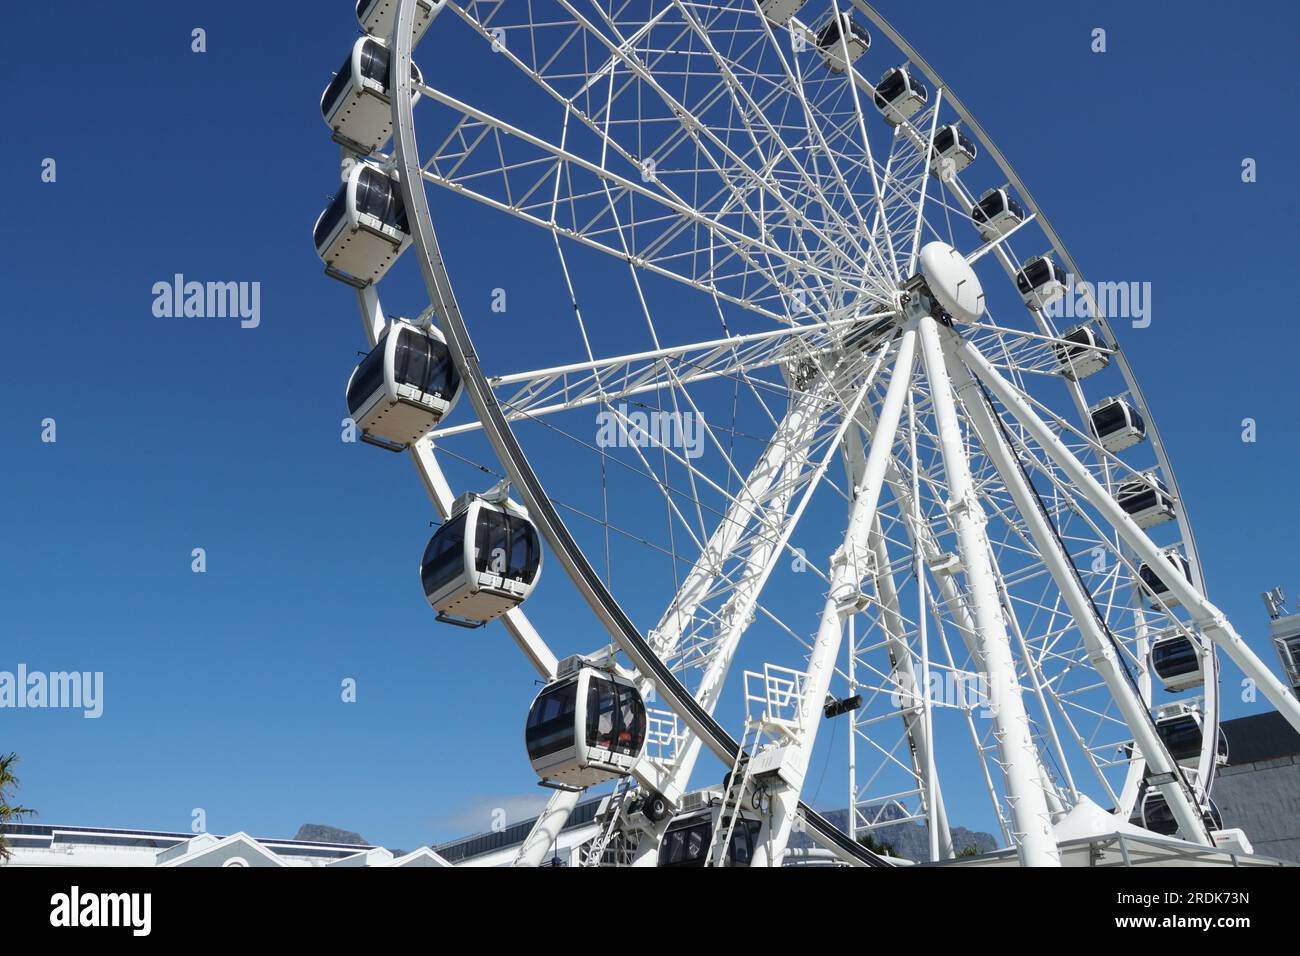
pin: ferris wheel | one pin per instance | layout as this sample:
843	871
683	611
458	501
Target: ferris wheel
794	406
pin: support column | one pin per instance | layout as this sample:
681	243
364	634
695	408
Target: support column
532	852
1030	817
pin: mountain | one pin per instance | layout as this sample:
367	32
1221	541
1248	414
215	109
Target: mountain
909	840
320	833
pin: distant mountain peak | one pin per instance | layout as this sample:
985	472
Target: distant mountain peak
320	833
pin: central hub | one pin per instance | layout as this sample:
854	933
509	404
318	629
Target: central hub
952	282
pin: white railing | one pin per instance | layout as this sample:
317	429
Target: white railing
774	698
664	737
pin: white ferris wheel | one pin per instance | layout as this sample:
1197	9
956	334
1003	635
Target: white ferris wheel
795	413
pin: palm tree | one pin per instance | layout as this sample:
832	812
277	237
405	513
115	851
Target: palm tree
8	812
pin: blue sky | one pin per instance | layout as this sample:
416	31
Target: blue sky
223	689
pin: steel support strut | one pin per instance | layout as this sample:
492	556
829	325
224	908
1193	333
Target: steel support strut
1024	788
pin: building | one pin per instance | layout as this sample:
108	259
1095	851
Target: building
43	845
1258	790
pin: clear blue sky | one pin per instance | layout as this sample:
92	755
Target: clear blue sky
223	689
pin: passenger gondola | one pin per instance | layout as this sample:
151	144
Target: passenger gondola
781	12
586	727
996	214
1081	352
953	146
1117	424
899	94
357	104
1177	661
1155	815
378	16
404	387
1181	727
1145	499
689	838
1155	587
364	230
1041	282
841	34
485	559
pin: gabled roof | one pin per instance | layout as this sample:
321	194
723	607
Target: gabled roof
238	849
371	856
421	857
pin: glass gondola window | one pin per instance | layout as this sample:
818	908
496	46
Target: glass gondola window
379	196
1176	656
1037	273
550	723
335	214
1182	736
337	85
444	558
425	363
505	544
369	377
375	60
615	717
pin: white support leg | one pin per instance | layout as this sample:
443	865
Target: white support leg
1101	652
1030	817
1213	623
532	852
850	564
